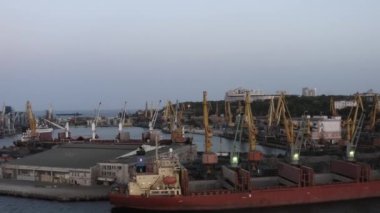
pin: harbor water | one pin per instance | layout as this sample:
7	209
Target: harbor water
21	205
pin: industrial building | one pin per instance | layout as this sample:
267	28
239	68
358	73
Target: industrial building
70	163
306	91
86	164
238	94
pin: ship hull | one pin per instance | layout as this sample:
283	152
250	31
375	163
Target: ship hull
257	198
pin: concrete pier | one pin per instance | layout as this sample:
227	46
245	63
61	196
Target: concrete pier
49	191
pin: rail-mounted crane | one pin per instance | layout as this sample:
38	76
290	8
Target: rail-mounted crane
31	119
228	114
373	116
209	158
254	156
283	116
354	125
332	107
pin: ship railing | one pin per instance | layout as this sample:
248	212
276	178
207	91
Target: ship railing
213	192
165	192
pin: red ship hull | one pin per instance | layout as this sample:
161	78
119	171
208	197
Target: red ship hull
253	199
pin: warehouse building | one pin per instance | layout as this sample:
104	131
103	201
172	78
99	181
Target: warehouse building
87	164
70	163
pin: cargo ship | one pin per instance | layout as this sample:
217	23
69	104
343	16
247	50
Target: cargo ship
169	188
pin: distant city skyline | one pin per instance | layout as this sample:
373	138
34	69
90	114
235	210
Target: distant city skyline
74	54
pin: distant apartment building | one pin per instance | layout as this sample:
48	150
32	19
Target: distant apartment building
238	94
344	104
306	91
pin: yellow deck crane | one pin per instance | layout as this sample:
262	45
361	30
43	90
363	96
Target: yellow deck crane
209	158
254	156
354	124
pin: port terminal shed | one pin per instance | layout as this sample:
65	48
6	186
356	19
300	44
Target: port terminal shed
84	164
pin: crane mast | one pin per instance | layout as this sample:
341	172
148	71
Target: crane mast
373	115
332	107
283	114
31	119
354	126
208	132
271	117
352	119
209	158
254	156
303	136
228	114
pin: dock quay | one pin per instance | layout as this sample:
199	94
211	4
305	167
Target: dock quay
50	191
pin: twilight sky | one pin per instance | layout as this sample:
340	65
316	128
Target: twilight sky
74	53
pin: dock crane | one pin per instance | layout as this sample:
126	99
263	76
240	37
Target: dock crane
373	115
235	154
228	114
31	119
354	125
254	156
208	158
332	107
353	117
271	118
303	137
173	116
152	123
169	115
283	115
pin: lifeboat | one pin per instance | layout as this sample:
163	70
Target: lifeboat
169	180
